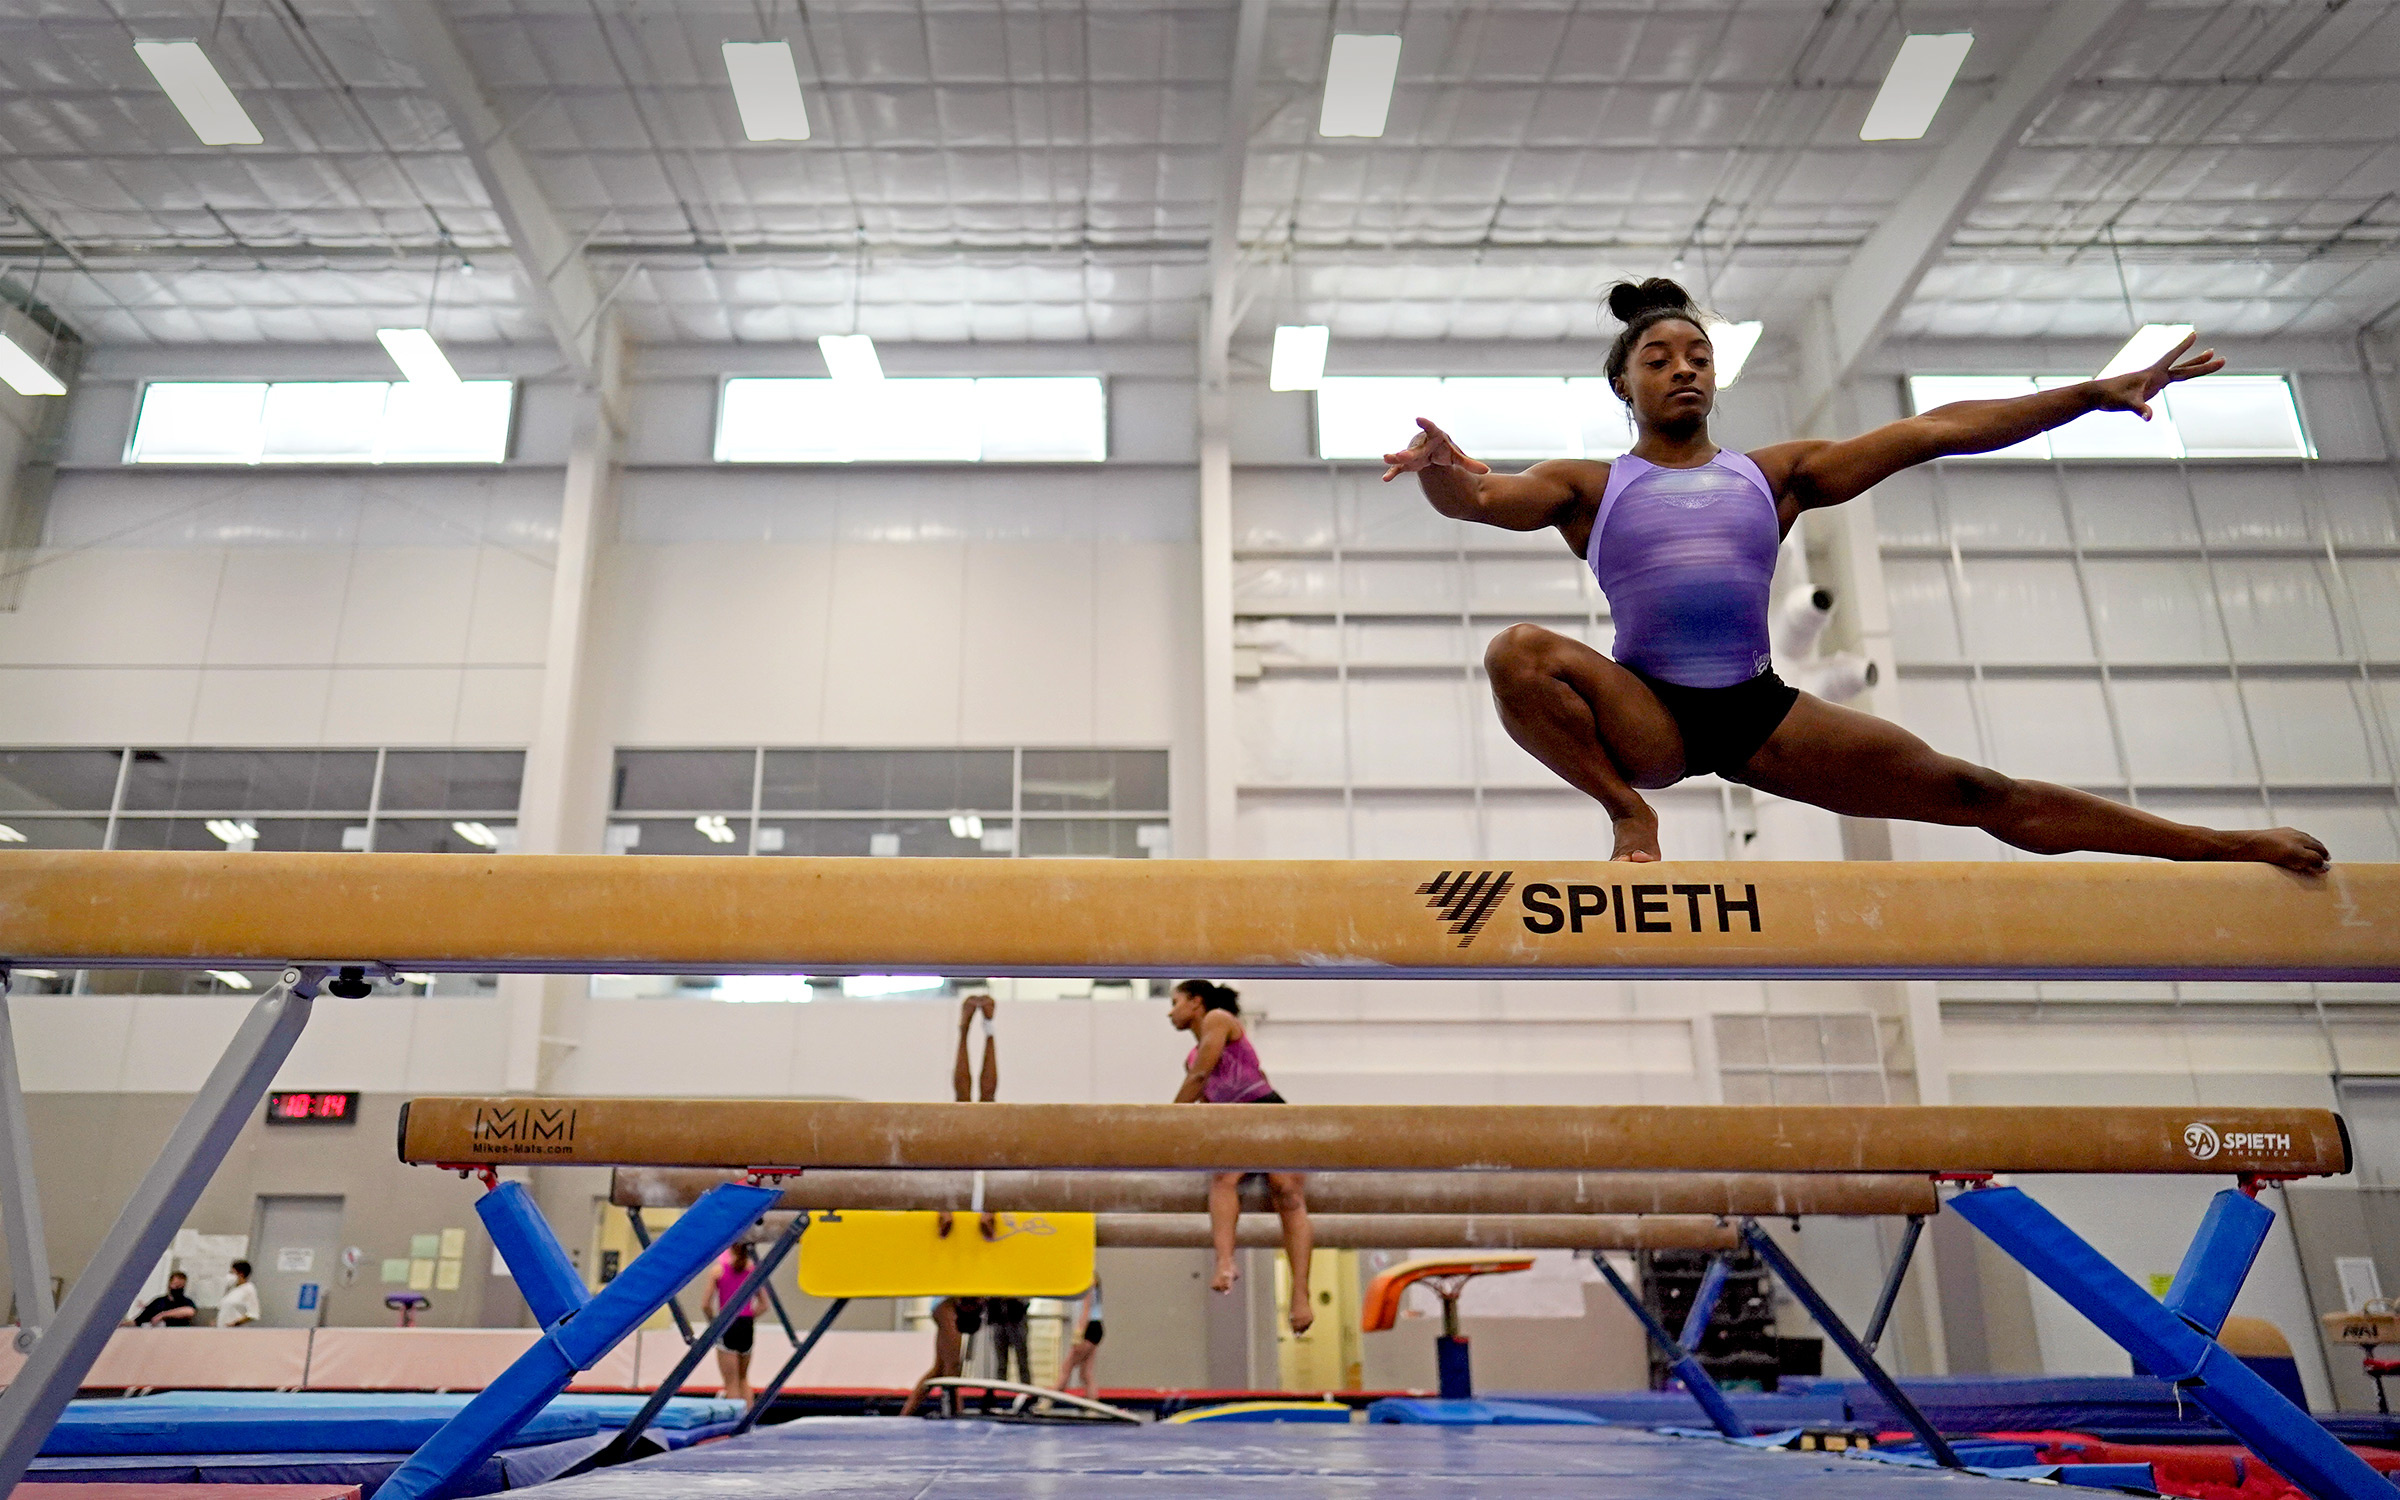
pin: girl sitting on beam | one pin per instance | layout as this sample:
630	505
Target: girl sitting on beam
1224	1069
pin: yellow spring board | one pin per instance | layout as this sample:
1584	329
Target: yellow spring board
869	1254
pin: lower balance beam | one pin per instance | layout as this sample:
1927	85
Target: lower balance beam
751	1134
1441	1194
1428	1232
634	914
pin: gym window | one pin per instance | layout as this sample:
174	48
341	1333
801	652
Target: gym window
2220	416
999	419
322	422
1363	417
994	804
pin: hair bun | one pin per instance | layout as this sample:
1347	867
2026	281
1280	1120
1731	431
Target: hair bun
1628	300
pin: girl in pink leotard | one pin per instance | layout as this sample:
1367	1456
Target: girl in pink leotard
1224	1069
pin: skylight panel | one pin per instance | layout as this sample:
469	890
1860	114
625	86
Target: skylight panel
766	89
1359	74
198	91
1913	90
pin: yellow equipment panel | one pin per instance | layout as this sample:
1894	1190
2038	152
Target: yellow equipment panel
849	1253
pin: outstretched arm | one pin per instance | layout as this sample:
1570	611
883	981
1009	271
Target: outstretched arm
1809	474
1215	1029
1466	489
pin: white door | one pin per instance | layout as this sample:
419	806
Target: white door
294	1251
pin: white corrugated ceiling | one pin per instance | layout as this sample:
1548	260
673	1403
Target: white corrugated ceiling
1032	169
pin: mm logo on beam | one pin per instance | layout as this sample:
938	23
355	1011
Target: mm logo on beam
1466	899
518	1129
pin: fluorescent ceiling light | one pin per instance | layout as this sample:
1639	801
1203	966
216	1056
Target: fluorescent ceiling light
478	834
966	826
766	89
1358	85
233	830
850	357
9	835
1733	343
754	988
714	828
1299	363
2143	350
198	90
418	356
1915	86
876	986
230	979
26	375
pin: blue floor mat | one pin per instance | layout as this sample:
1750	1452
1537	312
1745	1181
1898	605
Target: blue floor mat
190	1423
889	1458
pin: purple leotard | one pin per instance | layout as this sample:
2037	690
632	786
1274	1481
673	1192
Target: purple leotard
1688	568
1237	1078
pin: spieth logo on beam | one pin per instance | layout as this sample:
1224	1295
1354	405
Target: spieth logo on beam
1466	899
1635	908
512	1130
2202	1140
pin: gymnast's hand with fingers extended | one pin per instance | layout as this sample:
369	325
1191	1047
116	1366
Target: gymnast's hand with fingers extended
1433	449
2132	390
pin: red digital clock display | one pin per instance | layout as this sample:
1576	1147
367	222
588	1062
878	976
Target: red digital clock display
311	1109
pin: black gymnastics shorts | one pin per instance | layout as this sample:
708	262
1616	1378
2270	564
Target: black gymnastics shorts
741	1333
969	1312
1092	1332
1723	727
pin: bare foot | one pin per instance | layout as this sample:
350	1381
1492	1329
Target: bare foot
1303	1316
990	1226
2288	847
941	1225
1637	838
1224	1279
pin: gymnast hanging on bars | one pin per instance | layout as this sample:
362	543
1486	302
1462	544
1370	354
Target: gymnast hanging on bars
1683	536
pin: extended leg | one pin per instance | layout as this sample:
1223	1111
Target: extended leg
1224	1212
1289	1190
1863	767
147	1225
1591	721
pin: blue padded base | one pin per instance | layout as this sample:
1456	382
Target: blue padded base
1815	1404
1422	1413
252	1423
884	1458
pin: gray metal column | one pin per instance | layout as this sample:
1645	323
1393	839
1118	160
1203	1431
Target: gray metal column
28	1252
147	1225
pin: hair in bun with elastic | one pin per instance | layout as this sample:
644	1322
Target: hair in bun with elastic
1640	305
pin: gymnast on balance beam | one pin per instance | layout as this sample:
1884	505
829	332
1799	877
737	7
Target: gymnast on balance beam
1683	536
1224	1069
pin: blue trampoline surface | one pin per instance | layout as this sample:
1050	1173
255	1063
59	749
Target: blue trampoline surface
871	1458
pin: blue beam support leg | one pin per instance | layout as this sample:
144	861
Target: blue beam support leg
2219	1260
1704	1303
1860	1356
577	1338
2169	1347
1697	1380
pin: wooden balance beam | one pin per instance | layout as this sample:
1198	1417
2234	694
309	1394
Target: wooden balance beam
800	1134
630	914
1431	1232
1452	1194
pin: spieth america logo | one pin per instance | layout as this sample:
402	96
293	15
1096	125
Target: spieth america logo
1465	900
2205	1144
519	1131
